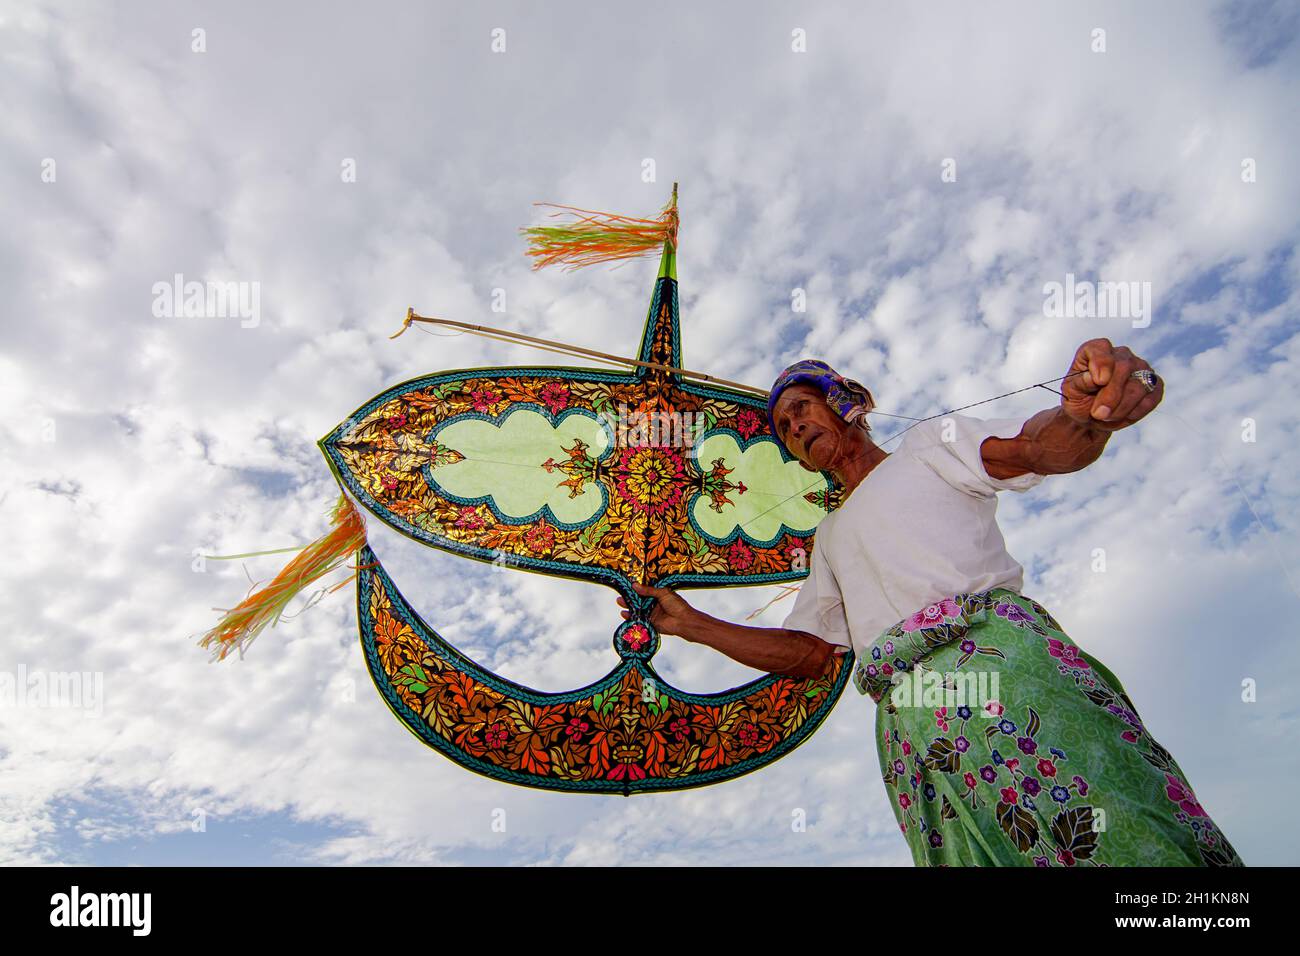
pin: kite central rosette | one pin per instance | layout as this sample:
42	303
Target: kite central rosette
651	478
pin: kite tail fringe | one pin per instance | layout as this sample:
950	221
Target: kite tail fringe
243	623
600	237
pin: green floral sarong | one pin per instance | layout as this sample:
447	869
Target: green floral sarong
1003	744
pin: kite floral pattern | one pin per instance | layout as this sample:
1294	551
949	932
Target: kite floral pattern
629	732
651	479
1032	756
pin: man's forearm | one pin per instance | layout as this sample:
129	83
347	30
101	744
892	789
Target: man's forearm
1049	443
772	649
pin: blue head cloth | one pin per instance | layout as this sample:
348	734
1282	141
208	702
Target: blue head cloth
849	399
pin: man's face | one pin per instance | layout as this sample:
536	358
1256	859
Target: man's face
808	427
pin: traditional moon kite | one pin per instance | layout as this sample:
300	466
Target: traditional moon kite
655	475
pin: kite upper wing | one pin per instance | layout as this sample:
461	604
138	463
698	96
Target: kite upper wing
608	476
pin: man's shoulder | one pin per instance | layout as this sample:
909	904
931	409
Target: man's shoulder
919	436
948	428
828	522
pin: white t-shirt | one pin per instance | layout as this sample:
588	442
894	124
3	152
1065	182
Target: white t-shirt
920	527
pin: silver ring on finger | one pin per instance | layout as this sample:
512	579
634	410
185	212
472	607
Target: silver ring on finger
1147	377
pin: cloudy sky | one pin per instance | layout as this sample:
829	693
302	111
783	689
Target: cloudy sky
811	148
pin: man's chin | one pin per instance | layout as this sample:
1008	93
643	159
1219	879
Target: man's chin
815	457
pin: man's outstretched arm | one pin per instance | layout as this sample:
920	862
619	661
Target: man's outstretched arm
775	650
1050	443
1099	396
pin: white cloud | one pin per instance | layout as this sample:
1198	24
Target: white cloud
818	170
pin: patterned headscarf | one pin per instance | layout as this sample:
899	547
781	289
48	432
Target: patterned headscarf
849	399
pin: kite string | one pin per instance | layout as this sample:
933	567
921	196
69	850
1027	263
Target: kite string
916	422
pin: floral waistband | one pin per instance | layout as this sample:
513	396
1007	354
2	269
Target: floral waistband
913	638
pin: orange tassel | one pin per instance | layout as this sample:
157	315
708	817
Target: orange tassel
242	624
601	237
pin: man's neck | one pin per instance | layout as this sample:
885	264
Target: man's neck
851	473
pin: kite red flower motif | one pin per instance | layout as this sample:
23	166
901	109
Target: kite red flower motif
636	637
483	398
556	396
650	479
496	735
748	423
540	538
468	518
680	729
740	556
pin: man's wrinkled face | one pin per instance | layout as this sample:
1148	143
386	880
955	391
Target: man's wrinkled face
808	427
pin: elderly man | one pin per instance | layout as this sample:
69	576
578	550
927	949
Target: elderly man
1000	741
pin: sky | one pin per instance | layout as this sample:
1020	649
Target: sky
921	171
